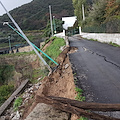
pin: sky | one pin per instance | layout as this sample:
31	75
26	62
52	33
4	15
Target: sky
11	4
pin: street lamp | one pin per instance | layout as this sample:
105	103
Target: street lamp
54	24
9	43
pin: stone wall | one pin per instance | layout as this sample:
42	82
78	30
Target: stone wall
13	59
103	37
23	49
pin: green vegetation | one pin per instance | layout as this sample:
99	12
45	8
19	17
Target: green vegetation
6	73
83	118
54	49
17	103
17	54
6	89
34	16
114	44
81	98
5	92
58	27
38	73
101	15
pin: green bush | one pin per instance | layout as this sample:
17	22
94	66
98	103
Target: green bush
5	92
17	103
6	72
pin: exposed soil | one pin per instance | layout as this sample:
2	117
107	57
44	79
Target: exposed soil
60	83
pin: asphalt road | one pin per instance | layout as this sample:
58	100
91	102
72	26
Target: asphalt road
97	66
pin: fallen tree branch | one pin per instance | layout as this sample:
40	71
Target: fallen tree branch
71	109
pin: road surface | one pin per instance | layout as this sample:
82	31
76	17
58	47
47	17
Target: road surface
97	66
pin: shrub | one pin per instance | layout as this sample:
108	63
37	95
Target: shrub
17	103
5	92
6	72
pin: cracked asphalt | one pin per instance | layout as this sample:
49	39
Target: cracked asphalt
97	66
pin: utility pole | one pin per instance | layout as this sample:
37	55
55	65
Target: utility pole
19	29
83	11
54	24
51	20
9	43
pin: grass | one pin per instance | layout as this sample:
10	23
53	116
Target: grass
17	103
38	73
17	54
54	49
81	98
6	73
5	92
5	45
82	118
110	43
114	44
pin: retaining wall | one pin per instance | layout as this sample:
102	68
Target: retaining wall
103	37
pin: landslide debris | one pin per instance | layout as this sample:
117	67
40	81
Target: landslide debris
61	84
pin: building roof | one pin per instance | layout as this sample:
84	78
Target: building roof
69	21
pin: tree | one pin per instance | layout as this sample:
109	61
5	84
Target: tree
58	25
112	15
78	9
97	12
112	10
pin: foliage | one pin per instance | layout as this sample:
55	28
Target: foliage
5	92
34	15
57	26
79	96
17	103
112	10
83	118
102	16
53	50
95	28
78	9
114	44
39	73
98	11
6	72
47	30
17	54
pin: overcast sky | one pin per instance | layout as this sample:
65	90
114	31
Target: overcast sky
11	4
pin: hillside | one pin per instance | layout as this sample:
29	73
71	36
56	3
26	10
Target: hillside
35	15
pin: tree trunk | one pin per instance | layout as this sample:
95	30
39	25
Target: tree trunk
78	108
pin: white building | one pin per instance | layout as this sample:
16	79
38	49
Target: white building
69	22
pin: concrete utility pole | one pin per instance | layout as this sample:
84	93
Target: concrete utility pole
83	11
19	29
51	19
54	24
